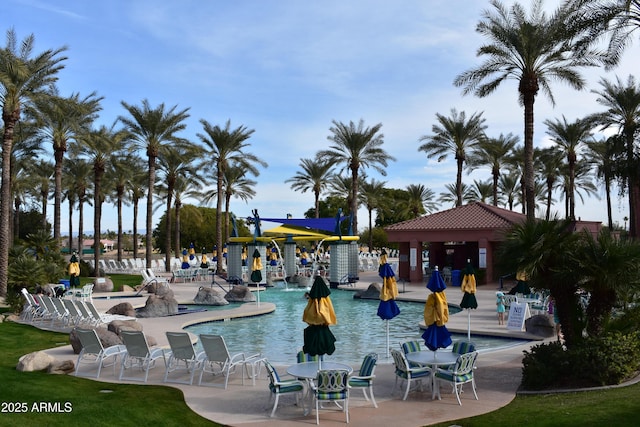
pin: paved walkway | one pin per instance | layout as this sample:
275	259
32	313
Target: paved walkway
497	377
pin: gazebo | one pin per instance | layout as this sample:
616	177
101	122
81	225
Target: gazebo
469	232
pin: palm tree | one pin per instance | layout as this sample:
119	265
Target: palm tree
61	120
100	146
120	172
24	77
509	185
541	249
137	189
451	194
549	161
582	183
481	190
237	185
226	147
607	266
356	147
454	135
420	201
493	152
534	50
42	172
569	137
600	153
622	111
182	188
174	163
151	128
76	177
370	196
314	176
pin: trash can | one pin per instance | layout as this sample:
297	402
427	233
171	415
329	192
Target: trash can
66	283
456	277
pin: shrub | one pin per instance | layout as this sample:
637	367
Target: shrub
544	366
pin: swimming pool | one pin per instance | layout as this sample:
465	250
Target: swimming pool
279	335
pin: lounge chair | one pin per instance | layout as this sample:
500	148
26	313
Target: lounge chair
331	386
409	374
139	355
218	361
75	317
183	356
103	317
461	373
364	378
31	310
278	386
94	353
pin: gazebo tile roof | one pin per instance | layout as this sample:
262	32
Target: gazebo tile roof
474	216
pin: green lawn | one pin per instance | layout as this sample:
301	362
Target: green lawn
69	401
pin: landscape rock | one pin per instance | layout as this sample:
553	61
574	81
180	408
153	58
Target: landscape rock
240	293
159	305
540	325
62	368
372	292
117	326
208	296
102	284
36	361
124	309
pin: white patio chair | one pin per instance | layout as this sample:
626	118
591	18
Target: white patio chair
461	373
138	355
218	361
404	372
331	386
94	353
183	356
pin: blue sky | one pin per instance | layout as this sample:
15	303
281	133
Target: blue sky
288	68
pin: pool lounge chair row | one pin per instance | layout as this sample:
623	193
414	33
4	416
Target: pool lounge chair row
63	312
182	361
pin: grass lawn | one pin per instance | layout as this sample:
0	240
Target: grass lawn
78	401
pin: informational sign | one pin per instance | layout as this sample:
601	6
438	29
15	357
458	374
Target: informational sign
413	258
482	257
518	313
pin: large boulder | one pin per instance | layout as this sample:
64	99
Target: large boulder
36	361
208	296
102	284
124	309
540	325
372	292
240	293
117	326
107	338
159	306
62	368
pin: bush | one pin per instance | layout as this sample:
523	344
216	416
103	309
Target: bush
595	361
544	366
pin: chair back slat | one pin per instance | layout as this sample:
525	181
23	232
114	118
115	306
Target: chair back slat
465	363
411	346
215	348
368	365
181	345
136	343
89	340
332	381
462	347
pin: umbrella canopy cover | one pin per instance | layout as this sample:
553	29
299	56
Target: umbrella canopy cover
388	308
469	288
319	314
256	267
436	314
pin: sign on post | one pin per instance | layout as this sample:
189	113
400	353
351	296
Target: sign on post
518	313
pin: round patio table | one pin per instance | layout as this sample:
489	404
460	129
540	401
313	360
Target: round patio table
434	359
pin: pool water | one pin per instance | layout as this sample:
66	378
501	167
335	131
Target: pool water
279	335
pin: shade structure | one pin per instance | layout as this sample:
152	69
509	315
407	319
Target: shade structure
256	271
436	314
387	308
469	300
319	315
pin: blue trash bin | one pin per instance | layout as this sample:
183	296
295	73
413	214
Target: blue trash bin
66	283
456	277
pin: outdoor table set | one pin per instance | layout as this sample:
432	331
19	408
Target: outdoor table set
433	359
309	372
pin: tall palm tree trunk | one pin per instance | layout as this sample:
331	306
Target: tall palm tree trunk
220	174
57	194
10	118
148	234
354	198
135	231
167	229
119	209
529	182
459	162
70	226
80	228
96	221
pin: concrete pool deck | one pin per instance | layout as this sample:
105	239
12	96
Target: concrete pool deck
497	377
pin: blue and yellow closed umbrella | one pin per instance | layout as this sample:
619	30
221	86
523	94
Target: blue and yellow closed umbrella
388	308
436	314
